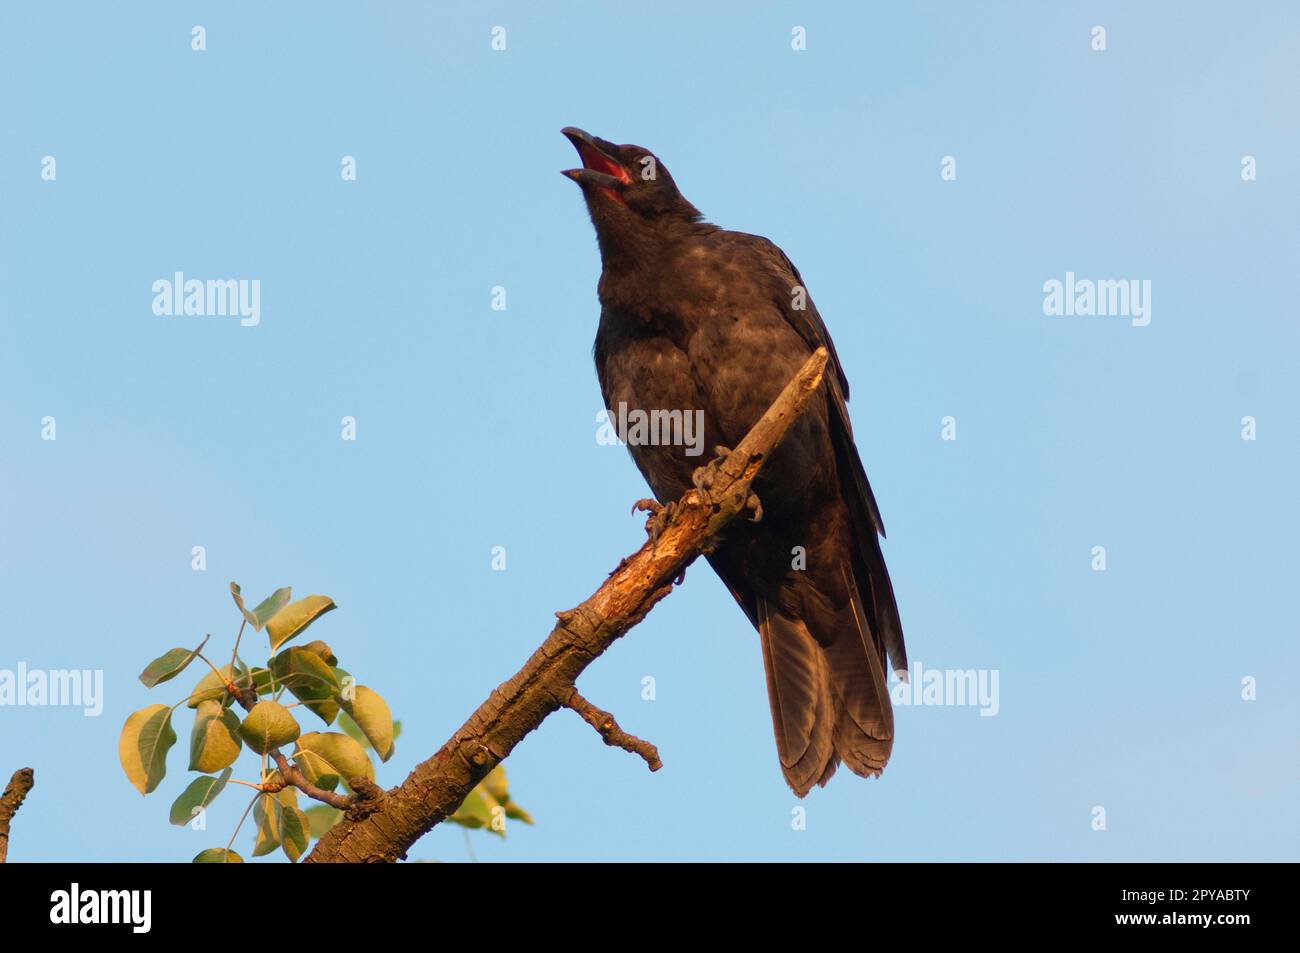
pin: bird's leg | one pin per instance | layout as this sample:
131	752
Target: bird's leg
655	524
657	521
704	476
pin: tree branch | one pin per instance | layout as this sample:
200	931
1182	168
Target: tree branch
295	778
385	826
610	732
15	793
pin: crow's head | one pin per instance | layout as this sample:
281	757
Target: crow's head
628	190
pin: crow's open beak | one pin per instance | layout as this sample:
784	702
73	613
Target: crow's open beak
599	168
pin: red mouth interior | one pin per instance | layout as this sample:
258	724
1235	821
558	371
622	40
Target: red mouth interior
597	161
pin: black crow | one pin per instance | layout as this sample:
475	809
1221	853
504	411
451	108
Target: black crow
697	318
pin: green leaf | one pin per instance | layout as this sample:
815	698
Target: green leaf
310	680
476	812
297	832
265	609
498	787
351	730
211	686
264	682
288	794
168	666
496	784
238	596
269	725
322	818
323	650
517	813
214	741
146	738
322	754
218	855
269	606
200	793
295	617
268	815
371	715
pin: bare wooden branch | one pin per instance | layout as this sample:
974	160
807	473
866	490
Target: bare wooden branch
610	732
381	829
15	793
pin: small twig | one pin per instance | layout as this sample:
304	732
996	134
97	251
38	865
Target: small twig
610	732
15	793
243	817
215	670
234	655
293	776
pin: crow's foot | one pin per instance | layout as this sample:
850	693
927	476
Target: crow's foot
704	476
657	521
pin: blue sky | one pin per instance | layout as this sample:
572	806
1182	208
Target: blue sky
476	428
